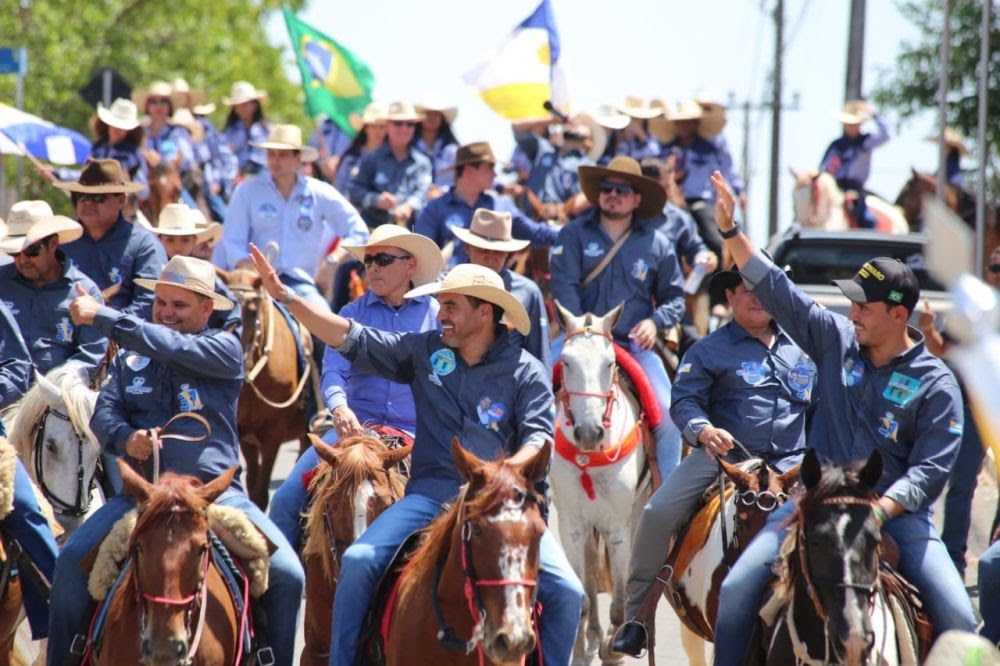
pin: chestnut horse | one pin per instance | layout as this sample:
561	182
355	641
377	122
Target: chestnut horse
354	482
165	187
173	606
468	594
271	408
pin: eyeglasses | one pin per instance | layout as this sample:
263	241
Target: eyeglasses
621	189
89	196
383	259
993	268
32	250
158	100
403	123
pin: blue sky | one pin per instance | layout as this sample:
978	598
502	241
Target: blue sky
668	49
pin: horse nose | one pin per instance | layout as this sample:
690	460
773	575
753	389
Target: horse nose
585	434
509	646
179	647
146	648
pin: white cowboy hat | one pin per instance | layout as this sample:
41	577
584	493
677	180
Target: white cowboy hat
952	139
243	91
155	89
31	221
636	107
430	263
122	114
288	137
401	112
598	134
855	112
179	219
711	119
192	274
185	95
435	103
608	116
482	283
374	113
490	230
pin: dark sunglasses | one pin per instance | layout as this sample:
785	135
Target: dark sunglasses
32	250
621	189
993	268
88	196
383	259
403	123
158	100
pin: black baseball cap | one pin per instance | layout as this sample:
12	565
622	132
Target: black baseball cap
882	280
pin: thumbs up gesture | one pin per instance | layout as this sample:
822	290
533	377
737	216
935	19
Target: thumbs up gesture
83	309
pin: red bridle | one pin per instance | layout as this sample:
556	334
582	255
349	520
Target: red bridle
609	398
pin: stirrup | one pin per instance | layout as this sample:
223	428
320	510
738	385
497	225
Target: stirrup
78	646
645	632
265	656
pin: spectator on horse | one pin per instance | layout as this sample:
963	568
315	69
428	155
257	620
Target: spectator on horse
435	137
246	127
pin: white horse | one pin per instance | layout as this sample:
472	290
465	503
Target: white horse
595	478
50	429
819	204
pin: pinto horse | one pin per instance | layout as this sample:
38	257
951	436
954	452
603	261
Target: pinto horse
271	407
354	482
597	480
173	606
819	204
467	596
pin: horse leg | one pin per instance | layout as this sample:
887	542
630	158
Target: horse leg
694	646
619	552
593	554
572	534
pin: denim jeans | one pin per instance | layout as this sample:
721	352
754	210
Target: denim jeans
924	561
291	497
70	603
961	487
559	590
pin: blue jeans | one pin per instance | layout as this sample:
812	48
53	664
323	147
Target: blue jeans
989	600
70	603
924	561
291	497
559	590
961	486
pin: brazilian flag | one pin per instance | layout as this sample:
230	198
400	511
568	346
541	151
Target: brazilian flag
336	83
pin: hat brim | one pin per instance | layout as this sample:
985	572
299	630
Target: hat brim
430	263
259	96
405	117
213	233
307	152
110	188
469	238
219	301
722	281
640	112
849	118
201	234
58	225
449	113
598	135
112	120
654	197
513	310
203	109
951	142
851	289
663	129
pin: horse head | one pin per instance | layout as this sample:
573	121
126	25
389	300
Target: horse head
165	186
170	554
817	201
246	285
760	490
589	375
838	554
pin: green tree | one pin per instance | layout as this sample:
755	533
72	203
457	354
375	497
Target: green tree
911	87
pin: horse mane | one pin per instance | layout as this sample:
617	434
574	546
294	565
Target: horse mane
77	397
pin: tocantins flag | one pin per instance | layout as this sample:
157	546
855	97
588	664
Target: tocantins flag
335	82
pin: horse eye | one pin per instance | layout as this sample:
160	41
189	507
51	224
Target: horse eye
51	446
477	530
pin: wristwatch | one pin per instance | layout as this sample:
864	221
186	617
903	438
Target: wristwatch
731	233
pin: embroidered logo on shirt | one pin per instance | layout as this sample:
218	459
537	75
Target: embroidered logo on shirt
567	180
136	362
443	362
64	330
189	399
593	249
304	222
10	306
267	210
901	389
753	373
490	413
955	427
684	368
381	179
890	426
800	379
854	371
639	269
115	275
138	387
557	250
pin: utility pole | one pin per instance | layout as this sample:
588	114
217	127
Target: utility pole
855	51
779	24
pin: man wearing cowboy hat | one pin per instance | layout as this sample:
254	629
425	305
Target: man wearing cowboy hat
392	182
302	215
553	180
474	173
634	138
643	273
112	252
469	381
747	382
39	285
849	158
174	364
395	261
489	243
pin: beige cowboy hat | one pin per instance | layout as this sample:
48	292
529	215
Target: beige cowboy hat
122	114
243	91
435	103
482	283
654	197
607	115
288	137
187	97
430	263
195	275
31	221
401	112
598	134
952	139
374	114
490	230
101	177
855	112
636	107
661	127
155	89
186	119
711	119
177	219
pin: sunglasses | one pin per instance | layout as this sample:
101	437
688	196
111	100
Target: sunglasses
621	189
87	196
403	123
32	250
383	259
993	268
158	100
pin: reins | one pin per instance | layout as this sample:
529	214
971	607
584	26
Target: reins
157	436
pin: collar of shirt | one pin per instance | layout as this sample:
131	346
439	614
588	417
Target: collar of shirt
300	185
737	332
119	228
903	359
386	150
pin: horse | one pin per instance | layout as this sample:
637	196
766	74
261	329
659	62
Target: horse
707	547
52	436
165	187
819	204
833	602
354	482
172	606
597	481
467	596
271	408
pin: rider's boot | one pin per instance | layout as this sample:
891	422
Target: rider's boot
631	639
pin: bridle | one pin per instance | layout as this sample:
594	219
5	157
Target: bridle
609	398
83	486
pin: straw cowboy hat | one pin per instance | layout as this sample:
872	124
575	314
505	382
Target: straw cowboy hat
155	89
31	221
374	113
179	219
122	114
490	230
636	107
435	103
101	177
711	118
430	263
186	119
192	274
654	197
288	137
243	91
482	283
952	139
598	135
402	112
472	153
855	112
192	98
661	127
606	115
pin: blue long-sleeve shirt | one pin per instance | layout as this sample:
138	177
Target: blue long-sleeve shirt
239	137
372	398
443	157
850	158
530	296
698	161
681	230
909	409
409	180
554	175
15	362
171	141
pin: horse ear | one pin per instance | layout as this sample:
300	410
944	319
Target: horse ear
565	318
737	475
916	174
51	392
811	470
133	483
468	465
872	471
788	479
223	274
396	456
537	468
326	452
795	174
611	318
211	490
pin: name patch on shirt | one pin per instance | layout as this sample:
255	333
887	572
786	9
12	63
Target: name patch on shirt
752	372
138	387
490	413
593	249
901	389
381	179
188	399
890	426
64	330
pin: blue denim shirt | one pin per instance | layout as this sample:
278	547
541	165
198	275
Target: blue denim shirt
172	140
372	398
495	407
42	313
227	320
644	274
15	362
699	161
379	171
126	252
849	158
443	156
336	139
217	160
730	380
449	209
636	149
680	229
909	409
239	138
553	176
127	154
530	296
158	373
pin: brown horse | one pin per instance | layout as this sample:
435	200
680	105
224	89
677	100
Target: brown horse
468	594
354	482
271	407
173	607
165	187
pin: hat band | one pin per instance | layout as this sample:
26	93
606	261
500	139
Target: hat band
182	280
490	238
